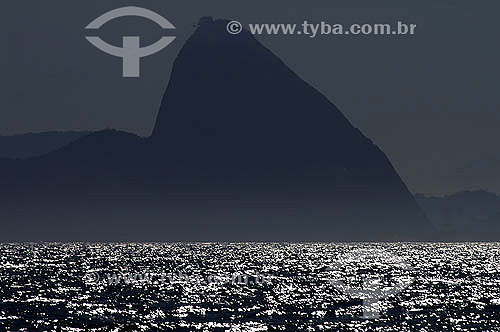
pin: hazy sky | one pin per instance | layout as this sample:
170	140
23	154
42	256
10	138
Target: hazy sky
430	101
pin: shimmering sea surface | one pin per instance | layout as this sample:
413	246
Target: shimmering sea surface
248	287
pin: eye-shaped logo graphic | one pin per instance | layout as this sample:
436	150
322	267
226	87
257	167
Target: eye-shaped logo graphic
378	266
131	52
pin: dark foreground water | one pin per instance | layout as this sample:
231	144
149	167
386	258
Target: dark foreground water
249	287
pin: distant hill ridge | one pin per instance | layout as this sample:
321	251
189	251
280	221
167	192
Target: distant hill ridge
467	215
36	144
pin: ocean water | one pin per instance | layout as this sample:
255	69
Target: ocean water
250	287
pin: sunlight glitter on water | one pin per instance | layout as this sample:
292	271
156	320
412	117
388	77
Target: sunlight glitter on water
454	287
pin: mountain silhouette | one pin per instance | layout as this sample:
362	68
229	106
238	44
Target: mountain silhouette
36	144
242	150
464	216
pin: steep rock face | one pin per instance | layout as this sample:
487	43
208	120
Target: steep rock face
237	119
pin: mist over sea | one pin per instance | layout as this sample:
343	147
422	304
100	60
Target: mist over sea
249	287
